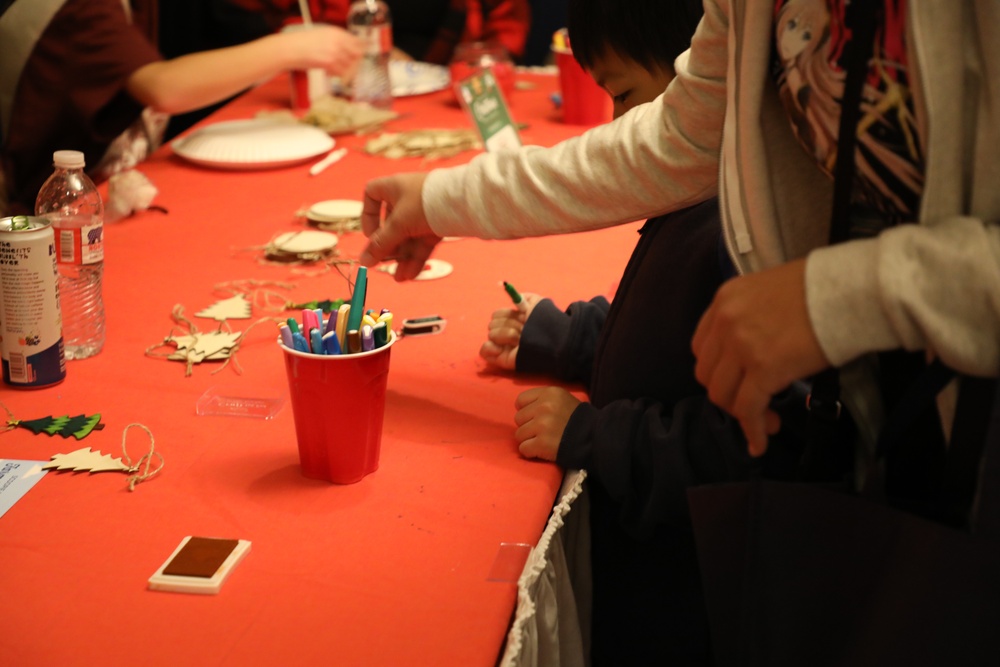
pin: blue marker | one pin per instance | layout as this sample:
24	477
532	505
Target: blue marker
319	320
299	343
330	343
316	341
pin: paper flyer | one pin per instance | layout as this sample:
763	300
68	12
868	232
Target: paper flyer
16	479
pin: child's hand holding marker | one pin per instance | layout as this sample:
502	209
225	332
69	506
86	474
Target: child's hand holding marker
505	327
348	330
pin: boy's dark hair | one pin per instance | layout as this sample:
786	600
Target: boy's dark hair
650	32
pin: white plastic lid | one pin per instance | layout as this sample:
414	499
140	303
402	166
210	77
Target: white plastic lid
68	159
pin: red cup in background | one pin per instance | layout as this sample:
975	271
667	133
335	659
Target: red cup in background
338	402
583	101
307	85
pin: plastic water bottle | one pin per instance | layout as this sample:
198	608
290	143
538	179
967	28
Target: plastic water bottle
71	202
371	21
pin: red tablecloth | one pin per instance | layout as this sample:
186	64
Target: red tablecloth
389	571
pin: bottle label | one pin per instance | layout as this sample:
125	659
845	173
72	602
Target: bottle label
80	245
376	39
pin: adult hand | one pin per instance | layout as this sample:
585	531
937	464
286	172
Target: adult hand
327	47
541	418
404	235
504	337
754	340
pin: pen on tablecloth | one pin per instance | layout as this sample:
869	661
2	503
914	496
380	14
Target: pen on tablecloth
515	296
332	158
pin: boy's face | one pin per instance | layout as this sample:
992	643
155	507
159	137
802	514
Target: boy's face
627	82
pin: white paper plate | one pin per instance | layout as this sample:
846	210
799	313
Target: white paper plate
416	78
253	144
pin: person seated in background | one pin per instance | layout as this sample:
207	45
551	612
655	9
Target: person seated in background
424	30
90	78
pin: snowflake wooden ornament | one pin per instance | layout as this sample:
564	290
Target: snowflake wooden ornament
233	308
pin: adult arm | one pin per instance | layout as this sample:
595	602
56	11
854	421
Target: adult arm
199	79
657	158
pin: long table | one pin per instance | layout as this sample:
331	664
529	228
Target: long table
398	569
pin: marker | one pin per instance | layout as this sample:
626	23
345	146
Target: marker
331	324
368	319
515	296
299	343
385	317
358	299
319	319
286	336
309	320
293	325
330	343
381	334
367	338
353	341
342	315
316	341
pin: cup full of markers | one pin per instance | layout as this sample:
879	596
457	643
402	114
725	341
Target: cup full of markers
337	369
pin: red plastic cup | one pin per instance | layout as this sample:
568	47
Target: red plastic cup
583	101
338	402
307	85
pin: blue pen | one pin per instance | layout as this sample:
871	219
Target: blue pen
316	341
330	343
367	338
286	336
358	299
299	343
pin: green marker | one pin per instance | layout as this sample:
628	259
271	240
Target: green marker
358	301
515	296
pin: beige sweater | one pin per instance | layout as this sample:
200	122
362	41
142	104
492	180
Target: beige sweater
933	286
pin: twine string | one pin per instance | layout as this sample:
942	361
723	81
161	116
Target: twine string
144	462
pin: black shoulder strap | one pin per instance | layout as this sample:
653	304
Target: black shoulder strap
824	458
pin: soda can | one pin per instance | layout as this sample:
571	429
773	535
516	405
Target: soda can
31	342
